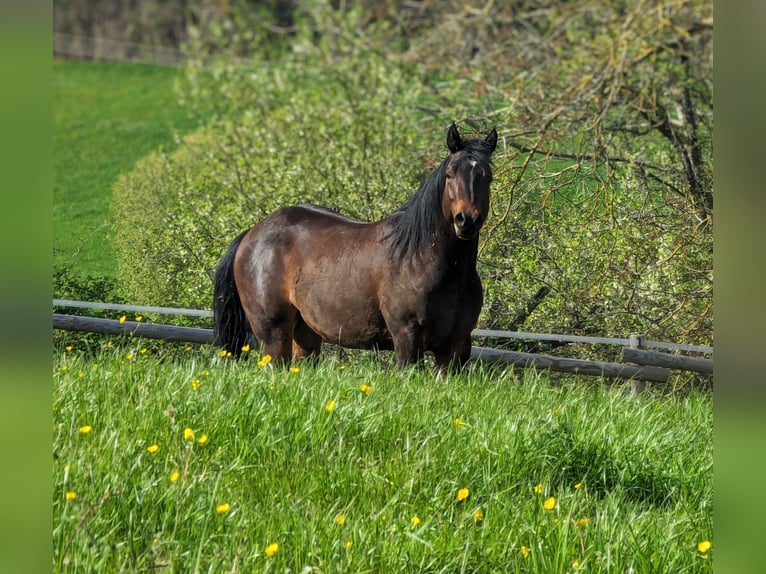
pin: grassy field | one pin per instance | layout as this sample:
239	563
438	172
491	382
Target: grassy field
199	463
105	117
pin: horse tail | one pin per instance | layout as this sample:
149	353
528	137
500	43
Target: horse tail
231	327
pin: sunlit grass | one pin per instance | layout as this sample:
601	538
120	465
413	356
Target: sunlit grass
106	116
206	463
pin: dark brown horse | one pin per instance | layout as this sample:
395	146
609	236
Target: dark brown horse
406	283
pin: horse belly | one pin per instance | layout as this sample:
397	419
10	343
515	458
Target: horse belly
340	309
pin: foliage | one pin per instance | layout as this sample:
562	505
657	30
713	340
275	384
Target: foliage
333	463
602	200
339	136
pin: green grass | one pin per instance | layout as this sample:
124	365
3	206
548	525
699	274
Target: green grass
632	478
105	117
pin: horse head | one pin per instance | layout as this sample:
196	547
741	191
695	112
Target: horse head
465	201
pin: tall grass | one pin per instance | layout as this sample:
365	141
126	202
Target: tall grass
359	467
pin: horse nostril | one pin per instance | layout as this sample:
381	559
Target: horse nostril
460	219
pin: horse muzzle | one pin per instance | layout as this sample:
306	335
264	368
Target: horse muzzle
467	225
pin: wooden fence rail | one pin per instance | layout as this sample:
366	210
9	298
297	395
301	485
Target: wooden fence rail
173	333
639	364
644	357
489	333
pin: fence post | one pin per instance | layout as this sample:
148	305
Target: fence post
636	341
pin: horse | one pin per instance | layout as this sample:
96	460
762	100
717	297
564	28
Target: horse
407	283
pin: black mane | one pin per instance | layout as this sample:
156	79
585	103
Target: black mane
416	222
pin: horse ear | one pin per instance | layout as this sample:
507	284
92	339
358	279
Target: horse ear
454	141
491	139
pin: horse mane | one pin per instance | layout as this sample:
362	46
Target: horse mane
416	222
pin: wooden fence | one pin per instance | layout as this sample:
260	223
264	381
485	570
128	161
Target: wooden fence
638	362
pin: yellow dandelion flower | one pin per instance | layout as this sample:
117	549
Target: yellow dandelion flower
188	434
271	549
704	546
143	350
349	543
246	348
202	439
71	495
223	508
582	522
415	520
330	406
85	429
525	551
478	515
123	319
366	389
549	503
265	360
175	475
576	564
538	489
458	423
152	448
138	318
462	494
109	344
130	356
294	370
341	367
340	520
195	384
80	374
69	348
383	517
577	485
206	373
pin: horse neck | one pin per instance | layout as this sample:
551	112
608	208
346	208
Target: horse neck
457	254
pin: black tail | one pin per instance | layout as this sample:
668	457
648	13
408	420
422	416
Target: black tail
232	330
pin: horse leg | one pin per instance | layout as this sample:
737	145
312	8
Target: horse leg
306	343
408	344
275	332
454	359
